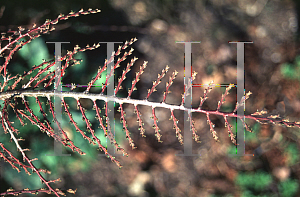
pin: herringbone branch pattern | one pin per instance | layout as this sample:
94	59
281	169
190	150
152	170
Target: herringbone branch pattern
14	40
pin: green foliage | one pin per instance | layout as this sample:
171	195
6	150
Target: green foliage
254	181
252	137
248	193
256	184
293	153
288	188
291	70
34	52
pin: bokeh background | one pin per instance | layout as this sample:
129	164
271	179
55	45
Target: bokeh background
272	74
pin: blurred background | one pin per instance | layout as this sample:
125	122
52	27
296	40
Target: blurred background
272	74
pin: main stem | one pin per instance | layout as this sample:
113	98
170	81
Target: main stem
93	97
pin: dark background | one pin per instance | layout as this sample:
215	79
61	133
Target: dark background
271	73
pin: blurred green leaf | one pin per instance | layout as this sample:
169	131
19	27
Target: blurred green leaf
288	188
291	71
293	152
35	52
257	181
